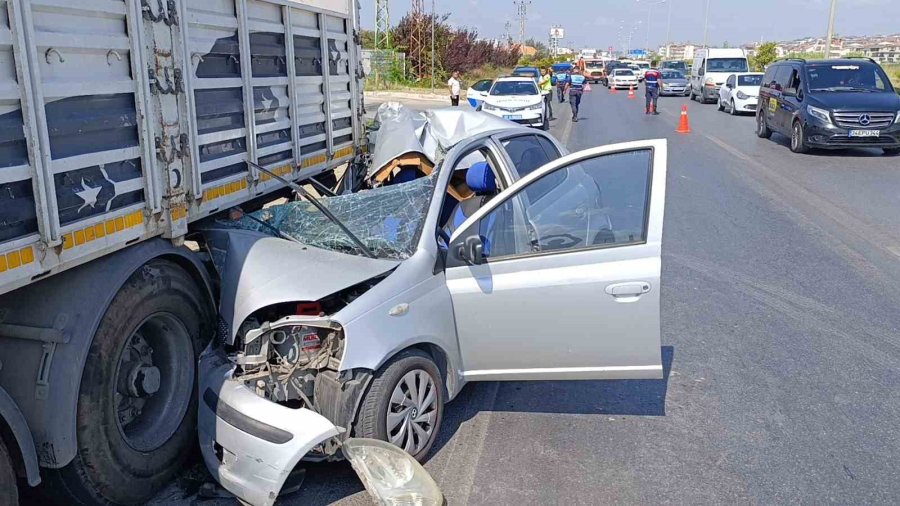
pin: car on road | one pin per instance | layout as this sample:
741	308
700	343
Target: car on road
367	320
710	70
517	99
478	91
533	72
674	65
674	83
740	93
608	69
622	78
593	70
840	103
637	71
642	68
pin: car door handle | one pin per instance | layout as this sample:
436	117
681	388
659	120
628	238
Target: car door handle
631	290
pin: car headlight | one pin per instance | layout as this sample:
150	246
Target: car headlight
488	107
820	114
537	107
741	95
390	475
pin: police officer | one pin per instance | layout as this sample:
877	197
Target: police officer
652	82
546	84
575	86
562	77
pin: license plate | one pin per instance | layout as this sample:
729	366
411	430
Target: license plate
512	116
865	133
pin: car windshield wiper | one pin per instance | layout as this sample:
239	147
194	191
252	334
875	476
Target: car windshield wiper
314	201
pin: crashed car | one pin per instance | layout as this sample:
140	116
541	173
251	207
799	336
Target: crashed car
491	255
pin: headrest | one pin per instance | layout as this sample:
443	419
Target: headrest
480	178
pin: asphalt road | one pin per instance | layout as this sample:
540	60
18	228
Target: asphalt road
780	340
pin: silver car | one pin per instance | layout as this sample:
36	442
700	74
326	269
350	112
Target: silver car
674	83
511	261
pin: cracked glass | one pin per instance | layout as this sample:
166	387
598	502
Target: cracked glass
387	219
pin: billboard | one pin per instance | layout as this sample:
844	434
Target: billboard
557	32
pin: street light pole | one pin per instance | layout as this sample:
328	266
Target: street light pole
432	45
706	27
830	29
669	29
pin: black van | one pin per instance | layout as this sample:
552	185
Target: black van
830	104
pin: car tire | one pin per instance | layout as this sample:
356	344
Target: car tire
159	312
691	94
9	494
733	111
762	128
407	368
891	151
720	105
798	138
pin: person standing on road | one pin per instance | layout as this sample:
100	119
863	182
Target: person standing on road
454	85
562	78
652	82
575	86
546	84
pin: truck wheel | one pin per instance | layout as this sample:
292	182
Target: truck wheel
404	404
137	414
9	494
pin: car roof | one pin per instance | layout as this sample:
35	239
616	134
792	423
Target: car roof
521	79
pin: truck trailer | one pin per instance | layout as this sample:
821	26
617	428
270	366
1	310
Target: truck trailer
123	124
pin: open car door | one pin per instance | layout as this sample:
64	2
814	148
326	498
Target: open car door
558	277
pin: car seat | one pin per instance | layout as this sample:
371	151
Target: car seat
480	178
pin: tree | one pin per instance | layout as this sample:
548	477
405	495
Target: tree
765	54
368	38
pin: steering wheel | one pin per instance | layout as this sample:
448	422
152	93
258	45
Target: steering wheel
564	241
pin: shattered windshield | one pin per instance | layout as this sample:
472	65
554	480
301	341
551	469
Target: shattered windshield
387	219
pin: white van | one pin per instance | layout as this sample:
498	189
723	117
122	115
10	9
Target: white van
711	68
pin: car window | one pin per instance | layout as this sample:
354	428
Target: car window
623	72
782	77
483	85
602	202
727	65
514	88
851	77
730	80
793	81
750	80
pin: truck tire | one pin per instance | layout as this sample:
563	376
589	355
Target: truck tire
410	367
9	494
137	414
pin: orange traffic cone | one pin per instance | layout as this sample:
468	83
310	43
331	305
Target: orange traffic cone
684	127
631	94
613	90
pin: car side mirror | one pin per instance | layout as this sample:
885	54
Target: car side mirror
472	250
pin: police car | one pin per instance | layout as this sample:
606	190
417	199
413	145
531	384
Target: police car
517	99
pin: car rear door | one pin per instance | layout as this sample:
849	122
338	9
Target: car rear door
558	276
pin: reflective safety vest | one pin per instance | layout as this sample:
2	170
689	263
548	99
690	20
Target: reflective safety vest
546	85
576	82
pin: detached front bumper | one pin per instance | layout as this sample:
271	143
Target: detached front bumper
250	444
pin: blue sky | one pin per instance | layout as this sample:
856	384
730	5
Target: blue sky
595	23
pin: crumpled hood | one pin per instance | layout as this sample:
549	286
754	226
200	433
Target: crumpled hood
258	270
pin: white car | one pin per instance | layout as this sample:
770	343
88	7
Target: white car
478	91
517	99
622	78
642	68
740	93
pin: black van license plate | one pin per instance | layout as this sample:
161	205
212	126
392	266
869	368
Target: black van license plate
865	133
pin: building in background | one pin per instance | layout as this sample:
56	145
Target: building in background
677	51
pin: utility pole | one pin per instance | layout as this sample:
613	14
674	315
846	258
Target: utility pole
507	33
417	39
382	25
669	29
706	27
830	29
522	13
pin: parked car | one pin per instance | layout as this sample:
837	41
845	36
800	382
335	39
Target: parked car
478	91
740	93
642	68
517	99
532	72
367	322
830	104
711	68
634	67
622	78
674	83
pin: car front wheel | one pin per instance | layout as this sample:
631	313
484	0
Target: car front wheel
798	139
721	105
404	404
